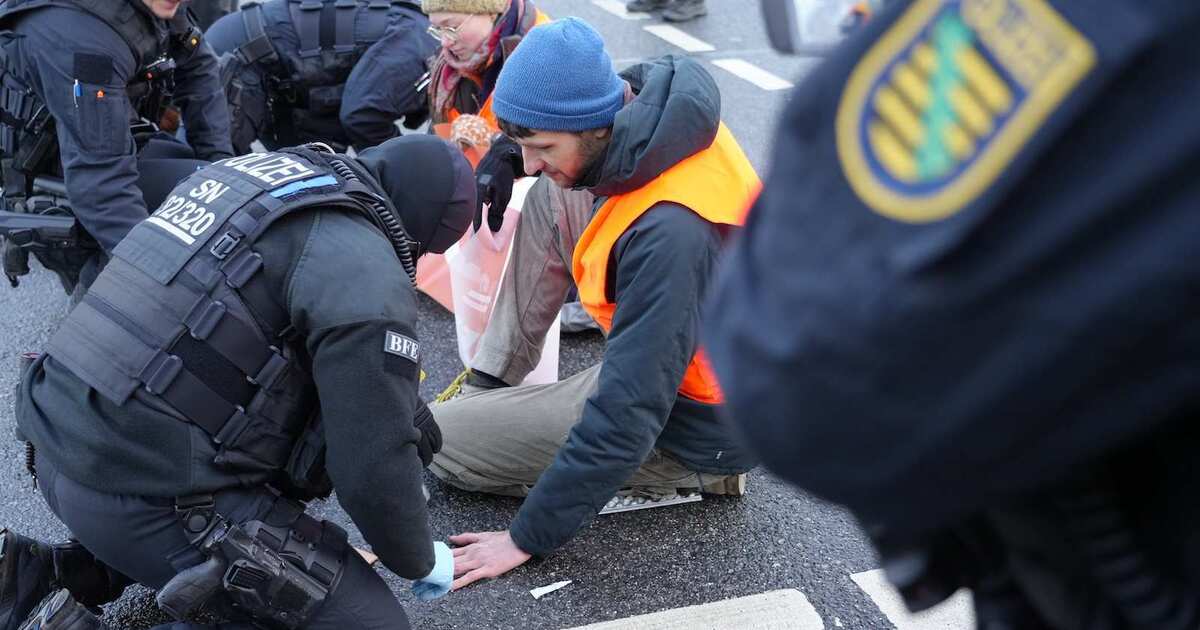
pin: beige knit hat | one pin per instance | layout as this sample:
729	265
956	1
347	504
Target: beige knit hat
465	6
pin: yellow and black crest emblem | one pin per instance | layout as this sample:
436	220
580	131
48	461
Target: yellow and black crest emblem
941	103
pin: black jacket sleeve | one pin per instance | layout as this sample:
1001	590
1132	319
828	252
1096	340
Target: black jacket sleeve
663	265
382	87
91	117
199	94
367	394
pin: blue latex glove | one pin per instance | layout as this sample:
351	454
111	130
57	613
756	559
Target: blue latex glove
437	583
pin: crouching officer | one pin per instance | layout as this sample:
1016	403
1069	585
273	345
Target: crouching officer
249	346
85	85
332	71
965	305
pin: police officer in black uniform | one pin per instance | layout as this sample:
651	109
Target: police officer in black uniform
966	302
85	84
250	345
338	72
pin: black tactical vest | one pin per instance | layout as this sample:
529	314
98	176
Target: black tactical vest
305	86
182	312
156	50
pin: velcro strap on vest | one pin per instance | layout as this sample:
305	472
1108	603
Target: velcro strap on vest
343	35
258	47
306	19
165	376
324	25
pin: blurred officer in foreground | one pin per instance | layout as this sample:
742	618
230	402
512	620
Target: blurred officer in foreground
86	84
330	71
965	305
216	376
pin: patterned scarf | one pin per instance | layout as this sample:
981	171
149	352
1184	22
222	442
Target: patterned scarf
448	91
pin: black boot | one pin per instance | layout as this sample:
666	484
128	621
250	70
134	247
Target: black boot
30	569
60	611
26	576
91	582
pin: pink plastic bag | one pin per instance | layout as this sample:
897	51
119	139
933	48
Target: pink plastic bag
475	274
466	280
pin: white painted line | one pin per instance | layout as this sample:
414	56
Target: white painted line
618	9
956	613
786	609
676	37
745	70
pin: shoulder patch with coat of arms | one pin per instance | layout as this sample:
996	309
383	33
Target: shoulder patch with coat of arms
941	103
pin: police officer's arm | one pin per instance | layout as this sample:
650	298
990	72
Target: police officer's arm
347	293
382	87
199	95
663	265
91	118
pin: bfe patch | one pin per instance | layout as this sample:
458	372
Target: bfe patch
402	346
938	107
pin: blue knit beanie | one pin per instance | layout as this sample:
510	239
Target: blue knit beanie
559	79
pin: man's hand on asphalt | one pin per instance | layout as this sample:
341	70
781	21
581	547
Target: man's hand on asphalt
484	555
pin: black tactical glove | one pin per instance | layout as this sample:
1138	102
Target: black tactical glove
431	435
494	180
414	119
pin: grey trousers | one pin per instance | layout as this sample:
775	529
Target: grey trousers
500	440
536	281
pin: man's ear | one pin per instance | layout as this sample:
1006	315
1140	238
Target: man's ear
601	133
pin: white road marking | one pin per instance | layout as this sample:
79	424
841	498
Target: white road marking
956	613
676	37
745	70
785	609
618	9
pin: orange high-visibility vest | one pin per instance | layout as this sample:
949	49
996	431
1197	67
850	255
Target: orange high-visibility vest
486	112
717	183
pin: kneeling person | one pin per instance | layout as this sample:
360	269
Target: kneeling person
671	183
251	345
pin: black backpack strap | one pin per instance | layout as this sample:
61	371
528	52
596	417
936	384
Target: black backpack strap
258	46
307	17
343	35
133	27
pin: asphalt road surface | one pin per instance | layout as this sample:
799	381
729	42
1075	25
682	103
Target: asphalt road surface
621	565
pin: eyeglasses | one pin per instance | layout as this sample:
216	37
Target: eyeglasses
446	32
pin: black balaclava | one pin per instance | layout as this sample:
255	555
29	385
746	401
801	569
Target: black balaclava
431	184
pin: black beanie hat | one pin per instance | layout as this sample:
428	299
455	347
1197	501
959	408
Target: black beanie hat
431	184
